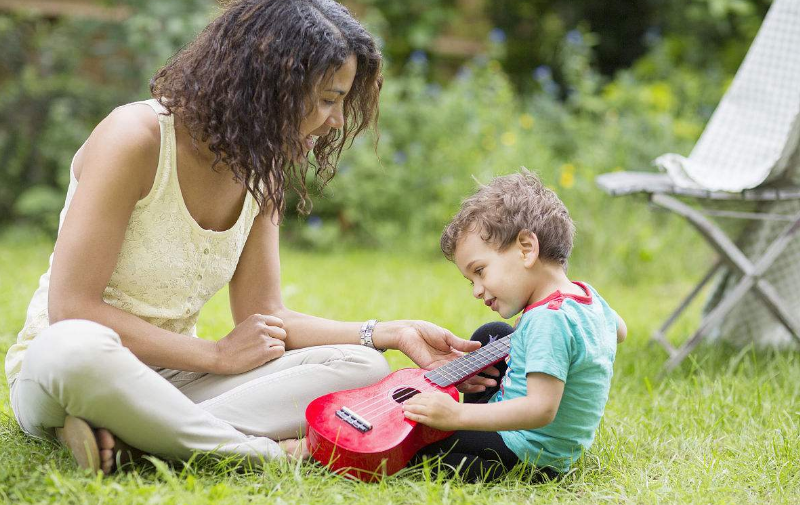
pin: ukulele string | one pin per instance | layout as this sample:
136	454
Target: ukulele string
397	403
377	407
400	399
373	406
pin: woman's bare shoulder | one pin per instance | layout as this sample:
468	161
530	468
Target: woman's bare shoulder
125	144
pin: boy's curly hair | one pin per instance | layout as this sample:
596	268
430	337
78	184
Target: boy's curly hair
507	206
248	80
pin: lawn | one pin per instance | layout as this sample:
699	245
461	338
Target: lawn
723	428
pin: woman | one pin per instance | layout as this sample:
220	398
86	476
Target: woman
171	199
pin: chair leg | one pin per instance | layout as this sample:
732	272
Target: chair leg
712	318
751	276
659	335
768	294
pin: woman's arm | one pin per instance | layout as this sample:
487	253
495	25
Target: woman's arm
255	289
538	408
116	168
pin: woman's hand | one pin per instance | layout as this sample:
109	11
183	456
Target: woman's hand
431	346
428	345
437	410
255	341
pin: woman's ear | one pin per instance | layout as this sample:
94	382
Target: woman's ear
528	245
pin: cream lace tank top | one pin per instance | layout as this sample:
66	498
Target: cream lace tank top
168	267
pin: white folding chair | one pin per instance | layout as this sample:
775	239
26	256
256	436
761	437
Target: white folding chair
748	152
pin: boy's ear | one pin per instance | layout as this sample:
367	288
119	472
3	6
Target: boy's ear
528	245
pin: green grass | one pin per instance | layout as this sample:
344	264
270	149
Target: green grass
723	428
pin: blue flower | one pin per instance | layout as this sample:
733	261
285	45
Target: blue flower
418	57
543	73
464	73
652	36
497	35
574	37
400	157
314	221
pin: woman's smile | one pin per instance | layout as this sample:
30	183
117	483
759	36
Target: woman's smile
309	141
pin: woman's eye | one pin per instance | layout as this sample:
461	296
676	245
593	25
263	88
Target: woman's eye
329	102
479	272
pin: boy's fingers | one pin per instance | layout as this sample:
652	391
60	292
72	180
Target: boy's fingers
471	388
413	416
492	370
414	409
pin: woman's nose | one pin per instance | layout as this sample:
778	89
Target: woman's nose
336	119
477	291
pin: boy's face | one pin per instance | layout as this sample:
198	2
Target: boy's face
500	278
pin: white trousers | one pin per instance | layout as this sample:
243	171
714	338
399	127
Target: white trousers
80	368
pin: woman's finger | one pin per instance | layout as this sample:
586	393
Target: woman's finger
275	342
271	320
274	332
460	344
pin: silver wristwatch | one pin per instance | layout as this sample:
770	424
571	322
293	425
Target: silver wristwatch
366	334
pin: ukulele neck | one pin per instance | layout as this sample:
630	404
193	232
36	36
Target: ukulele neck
461	369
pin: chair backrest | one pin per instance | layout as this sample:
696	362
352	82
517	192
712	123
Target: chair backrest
753	134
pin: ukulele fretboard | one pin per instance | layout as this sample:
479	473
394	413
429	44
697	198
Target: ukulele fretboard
466	366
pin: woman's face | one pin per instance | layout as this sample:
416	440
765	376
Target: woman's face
328	104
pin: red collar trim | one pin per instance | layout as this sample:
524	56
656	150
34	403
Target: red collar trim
555	299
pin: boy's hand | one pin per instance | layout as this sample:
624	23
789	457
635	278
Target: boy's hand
437	410
478	383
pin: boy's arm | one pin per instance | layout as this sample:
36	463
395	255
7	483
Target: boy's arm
622	330
538	408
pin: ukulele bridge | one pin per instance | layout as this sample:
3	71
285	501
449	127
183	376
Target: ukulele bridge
353	419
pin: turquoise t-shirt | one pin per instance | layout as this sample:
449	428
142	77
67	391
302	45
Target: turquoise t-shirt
574	339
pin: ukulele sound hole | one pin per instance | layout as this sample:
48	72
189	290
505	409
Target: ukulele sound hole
403	394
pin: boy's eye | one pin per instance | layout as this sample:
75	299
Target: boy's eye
479	271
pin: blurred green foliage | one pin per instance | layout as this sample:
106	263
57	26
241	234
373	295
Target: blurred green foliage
59	78
559	90
438	142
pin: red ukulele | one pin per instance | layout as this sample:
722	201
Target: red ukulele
363	432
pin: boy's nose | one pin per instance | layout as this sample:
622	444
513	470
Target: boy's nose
477	291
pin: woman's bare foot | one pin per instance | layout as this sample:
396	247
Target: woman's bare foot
296	448
95	449
105	443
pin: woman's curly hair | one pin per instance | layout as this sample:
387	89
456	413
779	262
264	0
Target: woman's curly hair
247	81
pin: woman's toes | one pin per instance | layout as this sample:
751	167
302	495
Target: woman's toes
105	440
106	460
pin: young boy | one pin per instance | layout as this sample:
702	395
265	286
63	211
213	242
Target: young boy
512	240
